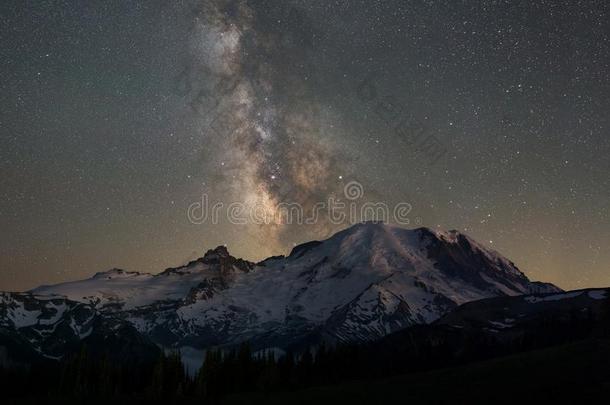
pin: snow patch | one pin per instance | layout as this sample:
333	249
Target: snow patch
598	294
553	297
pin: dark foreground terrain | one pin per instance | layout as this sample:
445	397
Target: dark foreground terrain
573	373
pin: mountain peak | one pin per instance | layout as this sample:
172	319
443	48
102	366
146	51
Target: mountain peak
214	254
115	272
299	250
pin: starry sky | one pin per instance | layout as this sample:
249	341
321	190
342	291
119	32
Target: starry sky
489	117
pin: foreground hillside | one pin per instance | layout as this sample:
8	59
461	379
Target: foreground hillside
572	373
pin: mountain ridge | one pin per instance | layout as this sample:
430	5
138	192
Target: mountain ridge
362	283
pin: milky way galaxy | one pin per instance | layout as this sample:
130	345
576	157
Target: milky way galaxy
245	85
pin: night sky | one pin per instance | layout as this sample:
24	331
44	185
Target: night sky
116	116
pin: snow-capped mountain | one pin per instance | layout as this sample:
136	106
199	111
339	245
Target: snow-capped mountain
359	285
